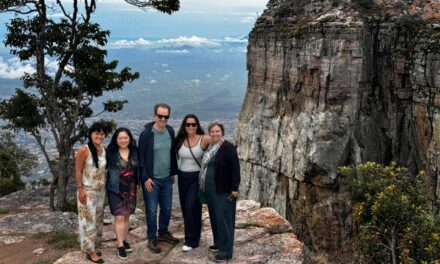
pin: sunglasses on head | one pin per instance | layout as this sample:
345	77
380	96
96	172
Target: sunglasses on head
163	116
190	124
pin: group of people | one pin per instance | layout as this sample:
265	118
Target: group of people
207	168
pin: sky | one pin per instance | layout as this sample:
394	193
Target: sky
198	24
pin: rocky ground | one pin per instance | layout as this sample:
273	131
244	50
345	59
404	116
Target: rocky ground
262	235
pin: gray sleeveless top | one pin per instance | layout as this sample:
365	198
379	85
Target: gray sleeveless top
187	162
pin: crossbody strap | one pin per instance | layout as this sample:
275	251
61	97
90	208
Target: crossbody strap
192	154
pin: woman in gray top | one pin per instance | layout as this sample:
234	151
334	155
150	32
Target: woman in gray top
191	144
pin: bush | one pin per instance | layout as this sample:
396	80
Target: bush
14	163
394	211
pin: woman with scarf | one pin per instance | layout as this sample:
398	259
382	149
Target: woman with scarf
219	179
122	178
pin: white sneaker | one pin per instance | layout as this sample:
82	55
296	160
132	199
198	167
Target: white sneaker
186	248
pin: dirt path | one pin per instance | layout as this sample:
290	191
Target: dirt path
21	253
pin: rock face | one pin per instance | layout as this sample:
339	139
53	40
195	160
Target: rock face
336	83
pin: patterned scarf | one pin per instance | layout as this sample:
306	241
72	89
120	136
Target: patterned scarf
210	152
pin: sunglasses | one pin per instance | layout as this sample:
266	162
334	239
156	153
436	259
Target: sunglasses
190	124
163	116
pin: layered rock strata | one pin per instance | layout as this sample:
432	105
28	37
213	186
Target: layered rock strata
336	83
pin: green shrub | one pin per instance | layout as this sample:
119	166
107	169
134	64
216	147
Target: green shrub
14	163
394	211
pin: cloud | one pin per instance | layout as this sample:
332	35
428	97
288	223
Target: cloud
182	51
140	42
153	81
193	41
178	45
242	39
14	69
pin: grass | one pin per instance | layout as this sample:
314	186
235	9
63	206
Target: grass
63	240
3	211
39	235
319	258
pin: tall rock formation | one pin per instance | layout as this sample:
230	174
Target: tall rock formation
335	83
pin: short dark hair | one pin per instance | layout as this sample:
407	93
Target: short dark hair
222	128
163	105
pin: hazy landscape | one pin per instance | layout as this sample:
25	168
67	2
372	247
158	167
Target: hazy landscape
194	60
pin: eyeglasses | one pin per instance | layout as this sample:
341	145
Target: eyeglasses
190	124
163	116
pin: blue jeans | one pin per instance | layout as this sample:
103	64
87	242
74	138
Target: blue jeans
161	195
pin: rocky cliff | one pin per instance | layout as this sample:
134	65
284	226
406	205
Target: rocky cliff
261	235
334	83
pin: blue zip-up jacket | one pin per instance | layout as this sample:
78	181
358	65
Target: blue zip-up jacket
146	152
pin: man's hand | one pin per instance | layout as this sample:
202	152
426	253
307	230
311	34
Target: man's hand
82	196
173	179
149	185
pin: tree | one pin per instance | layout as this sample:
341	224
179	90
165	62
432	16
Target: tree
14	163
395	213
55	104
165	6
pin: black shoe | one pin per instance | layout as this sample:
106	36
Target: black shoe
127	247
121	253
220	259
100	260
167	237
152	246
98	253
213	248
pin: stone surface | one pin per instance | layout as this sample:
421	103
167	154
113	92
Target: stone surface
11	239
26	200
38	251
255	241
33	221
331	84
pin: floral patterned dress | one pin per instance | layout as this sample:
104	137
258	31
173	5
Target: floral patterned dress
91	214
124	202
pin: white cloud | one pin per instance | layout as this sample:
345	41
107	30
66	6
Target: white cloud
174	45
14	69
242	39
182	51
140	42
153	81
193	41
164	65
226	76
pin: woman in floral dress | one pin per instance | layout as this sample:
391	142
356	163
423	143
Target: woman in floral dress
90	164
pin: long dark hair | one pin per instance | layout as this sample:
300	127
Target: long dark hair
113	146
182	135
96	127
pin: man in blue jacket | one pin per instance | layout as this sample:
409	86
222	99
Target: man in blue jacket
158	167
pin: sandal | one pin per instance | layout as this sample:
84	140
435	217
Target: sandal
100	260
